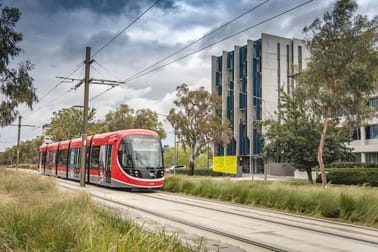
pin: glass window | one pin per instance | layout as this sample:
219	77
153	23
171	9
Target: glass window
95	157
62	157
50	159
124	155
140	152
300	58
356	134
358	157
373	103
372	157
372	132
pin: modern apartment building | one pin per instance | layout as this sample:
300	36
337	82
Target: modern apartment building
365	138
249	80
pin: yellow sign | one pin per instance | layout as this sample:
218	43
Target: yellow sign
225	164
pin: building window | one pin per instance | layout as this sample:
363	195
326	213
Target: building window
358	157
356	134
372	132
278	70
374	103
300	58
372	157
287	69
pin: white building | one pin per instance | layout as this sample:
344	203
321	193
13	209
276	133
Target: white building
249	80
47	138
365	139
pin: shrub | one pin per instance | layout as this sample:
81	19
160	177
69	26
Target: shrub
352	176
352	165
350	203
200	172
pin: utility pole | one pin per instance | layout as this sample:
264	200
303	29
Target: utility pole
19	125
18	142
86	82
85	117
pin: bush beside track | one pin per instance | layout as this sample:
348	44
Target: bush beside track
346	203
351	176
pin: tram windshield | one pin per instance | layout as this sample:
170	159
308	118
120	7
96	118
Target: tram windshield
140	151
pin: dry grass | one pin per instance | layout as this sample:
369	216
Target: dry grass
34	216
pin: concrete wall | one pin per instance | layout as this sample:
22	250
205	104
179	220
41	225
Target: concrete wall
280	169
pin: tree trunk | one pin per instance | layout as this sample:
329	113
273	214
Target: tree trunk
191	162
320	150
309	175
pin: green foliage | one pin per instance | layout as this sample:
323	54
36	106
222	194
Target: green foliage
34	216
67	123
295	136
352	176
126	118
345	203
352	165
28	153
195	122
342	70
16	84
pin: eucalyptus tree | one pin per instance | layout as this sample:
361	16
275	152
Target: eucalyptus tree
148	119
16	85
294	138
342	69
67	123
196	121
125	117
121	118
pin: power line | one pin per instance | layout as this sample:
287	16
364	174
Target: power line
98	51
221	40
57	85
60	82
103	92
124	29
199	39
212	44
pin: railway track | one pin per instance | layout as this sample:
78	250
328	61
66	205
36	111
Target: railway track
229	227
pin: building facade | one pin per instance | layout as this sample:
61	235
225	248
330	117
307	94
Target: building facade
365	138
249	80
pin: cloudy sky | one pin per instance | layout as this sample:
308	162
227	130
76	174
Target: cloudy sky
56	32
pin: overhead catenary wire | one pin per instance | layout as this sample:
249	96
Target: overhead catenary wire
99	50
221	40
124	29
60	82
212	44
199	39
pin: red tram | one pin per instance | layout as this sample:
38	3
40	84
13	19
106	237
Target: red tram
121	159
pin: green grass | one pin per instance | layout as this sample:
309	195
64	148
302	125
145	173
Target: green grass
34	216
355	204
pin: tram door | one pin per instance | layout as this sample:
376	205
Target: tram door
108	166
105	162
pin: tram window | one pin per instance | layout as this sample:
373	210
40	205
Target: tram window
77	157
109	157
95	157
124	155
49	159
62	157
44	154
